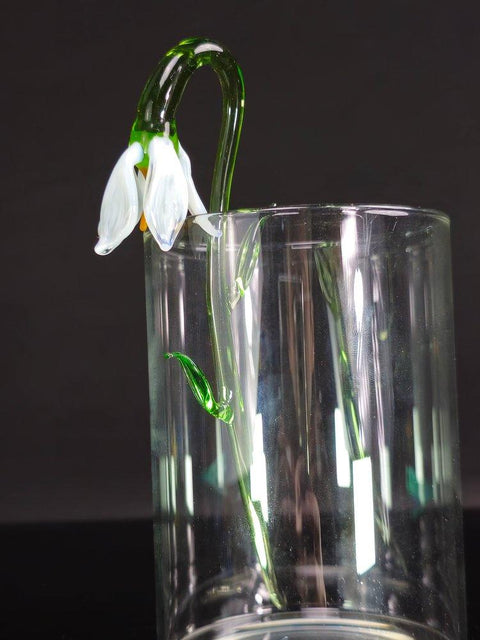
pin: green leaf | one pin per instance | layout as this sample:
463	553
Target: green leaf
201	388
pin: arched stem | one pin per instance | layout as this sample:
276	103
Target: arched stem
162	94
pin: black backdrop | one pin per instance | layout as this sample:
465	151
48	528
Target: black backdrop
346	102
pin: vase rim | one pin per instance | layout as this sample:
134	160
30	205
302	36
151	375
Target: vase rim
396	211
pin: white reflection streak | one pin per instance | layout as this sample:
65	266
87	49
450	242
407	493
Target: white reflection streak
181	307
188	484
354	288
349	240
219	426
358	298
258	468
341	452
363	514
362	356
246	332
418	453
385	475
168	69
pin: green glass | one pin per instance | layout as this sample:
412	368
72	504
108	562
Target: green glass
161	96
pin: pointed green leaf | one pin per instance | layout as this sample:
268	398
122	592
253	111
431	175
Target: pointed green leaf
198	383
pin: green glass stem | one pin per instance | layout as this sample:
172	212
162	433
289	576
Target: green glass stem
156	115
162	94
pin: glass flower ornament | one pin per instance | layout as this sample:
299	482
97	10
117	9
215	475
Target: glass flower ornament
153	176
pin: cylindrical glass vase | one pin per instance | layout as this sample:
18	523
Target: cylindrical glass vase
304	427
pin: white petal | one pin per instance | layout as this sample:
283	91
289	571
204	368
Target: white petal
120	210
166	193
195	204
204	222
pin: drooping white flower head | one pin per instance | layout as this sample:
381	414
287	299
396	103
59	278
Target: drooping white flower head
120	210
165	197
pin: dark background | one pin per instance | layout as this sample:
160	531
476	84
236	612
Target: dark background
346	102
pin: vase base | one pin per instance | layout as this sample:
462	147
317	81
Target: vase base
315	624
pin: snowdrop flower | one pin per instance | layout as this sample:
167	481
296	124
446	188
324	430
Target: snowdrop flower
165	197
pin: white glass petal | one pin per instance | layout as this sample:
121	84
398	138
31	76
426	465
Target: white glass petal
207	226
195	204
166	194
120	210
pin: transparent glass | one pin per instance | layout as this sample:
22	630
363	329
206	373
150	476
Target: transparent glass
304	432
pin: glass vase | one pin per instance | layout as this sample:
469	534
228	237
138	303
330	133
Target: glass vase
304	427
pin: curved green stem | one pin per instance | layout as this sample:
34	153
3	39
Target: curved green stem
162	94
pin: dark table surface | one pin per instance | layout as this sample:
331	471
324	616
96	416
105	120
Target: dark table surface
95	580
